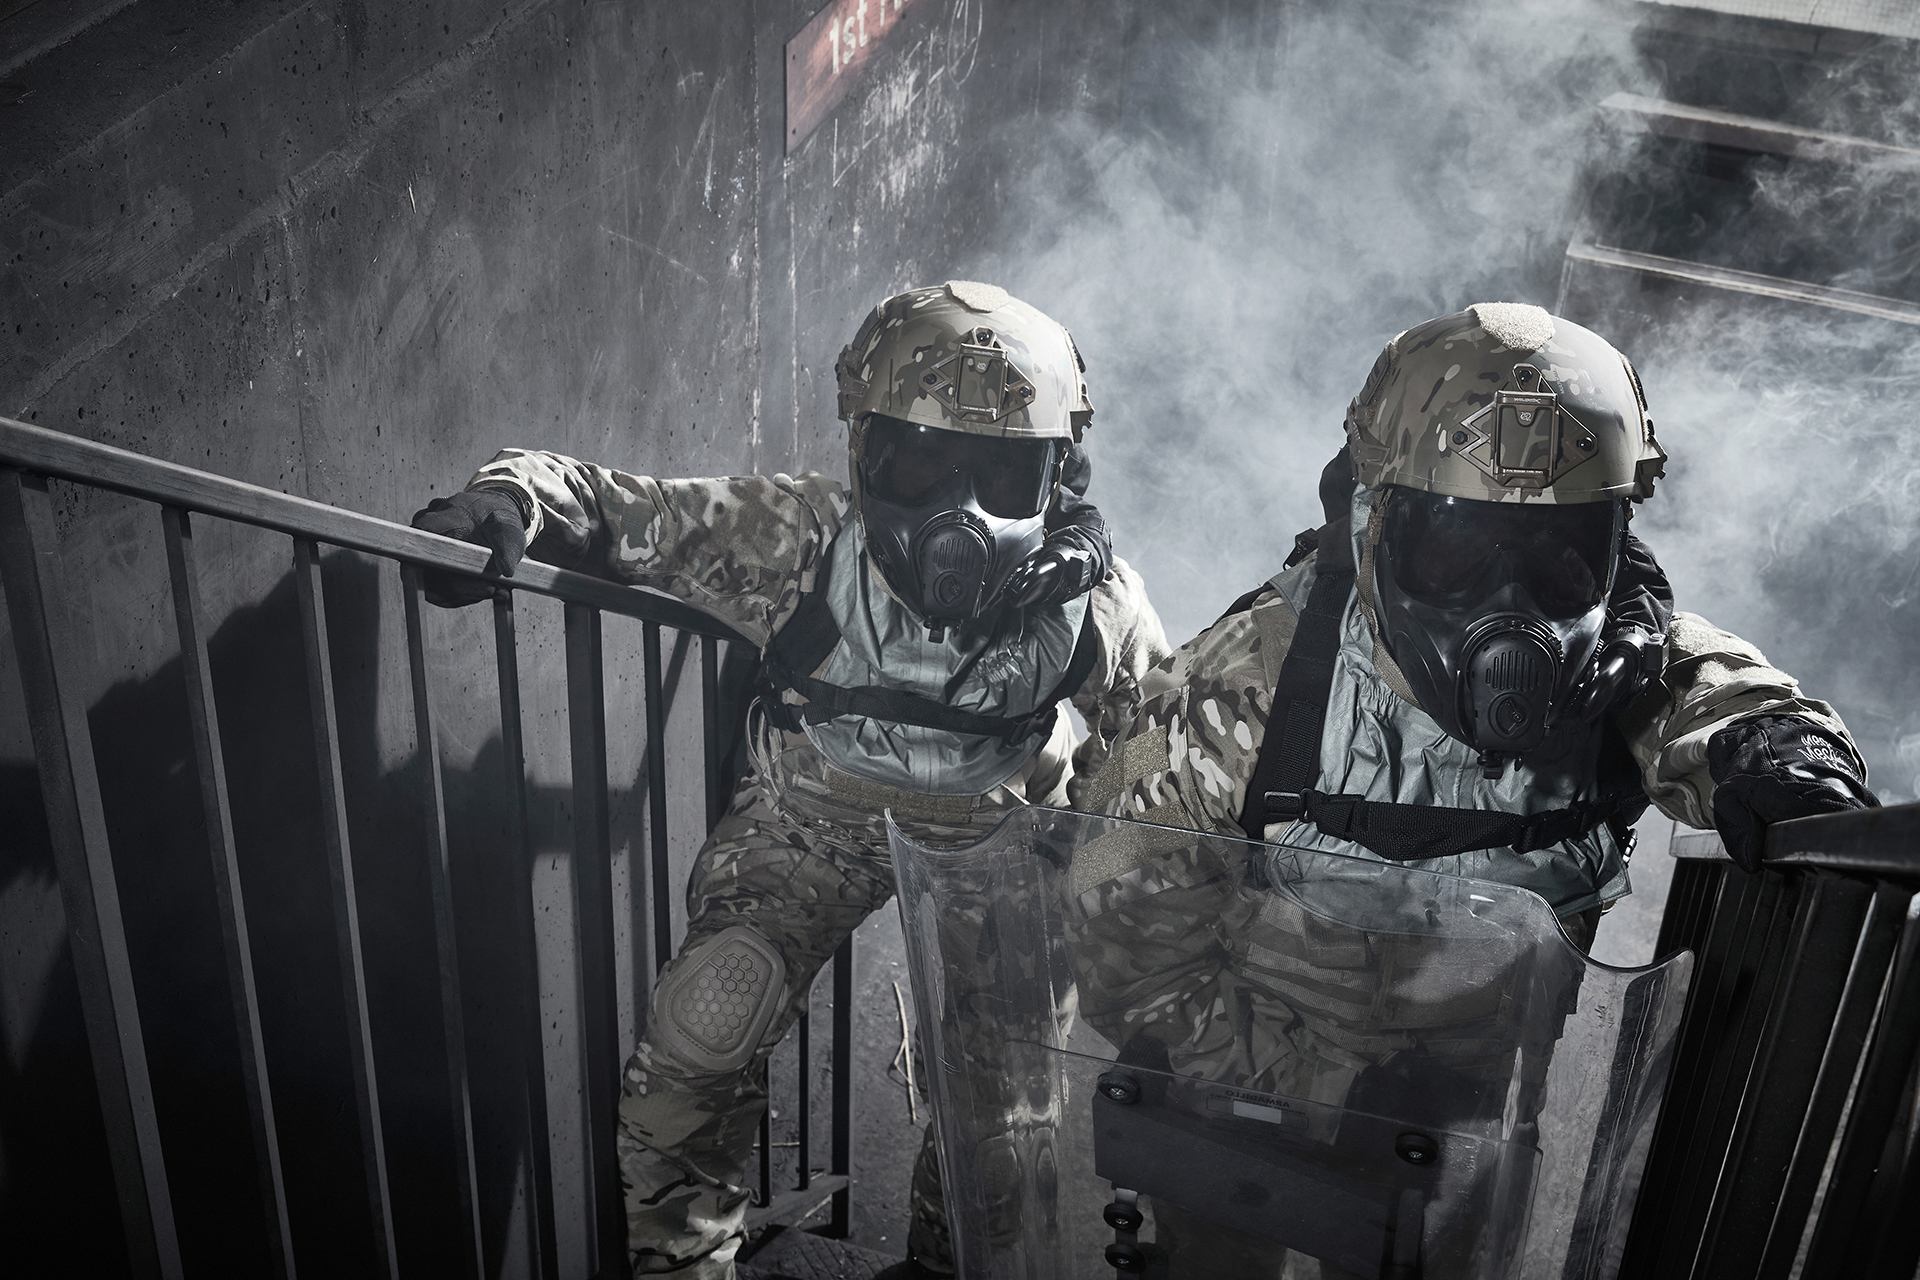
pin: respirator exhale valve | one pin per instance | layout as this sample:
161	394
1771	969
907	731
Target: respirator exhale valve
1512	668
953	556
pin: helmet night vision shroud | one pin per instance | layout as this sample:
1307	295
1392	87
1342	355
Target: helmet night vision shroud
961	403
1505	444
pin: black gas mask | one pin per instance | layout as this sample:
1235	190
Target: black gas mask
949	514
1494	610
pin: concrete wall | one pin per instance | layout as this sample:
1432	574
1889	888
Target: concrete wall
346	250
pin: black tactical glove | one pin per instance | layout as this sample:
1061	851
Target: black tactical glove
489	518
1061	569
1773	769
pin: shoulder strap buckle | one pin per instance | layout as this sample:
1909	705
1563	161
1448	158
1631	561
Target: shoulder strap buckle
1286	806
1305	543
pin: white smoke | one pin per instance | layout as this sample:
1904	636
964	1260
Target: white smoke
1271	205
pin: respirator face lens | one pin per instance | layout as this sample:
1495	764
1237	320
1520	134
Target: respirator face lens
1444	550
906	463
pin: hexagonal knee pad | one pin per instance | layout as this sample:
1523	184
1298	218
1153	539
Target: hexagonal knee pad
717	1003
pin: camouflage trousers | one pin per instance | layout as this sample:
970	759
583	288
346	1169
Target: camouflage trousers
797	863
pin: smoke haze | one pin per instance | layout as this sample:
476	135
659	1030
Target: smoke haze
1276	200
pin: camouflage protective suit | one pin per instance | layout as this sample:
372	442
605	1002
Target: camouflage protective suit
800	857
1171	973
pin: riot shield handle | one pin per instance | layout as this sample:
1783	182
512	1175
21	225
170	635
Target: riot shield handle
1123	1215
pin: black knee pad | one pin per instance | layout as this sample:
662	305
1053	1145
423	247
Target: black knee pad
717	1003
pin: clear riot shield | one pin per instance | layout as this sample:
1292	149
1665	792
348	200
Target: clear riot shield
1157	1052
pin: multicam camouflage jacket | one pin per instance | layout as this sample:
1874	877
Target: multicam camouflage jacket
745	549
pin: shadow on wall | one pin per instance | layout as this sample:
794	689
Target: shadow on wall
56	1188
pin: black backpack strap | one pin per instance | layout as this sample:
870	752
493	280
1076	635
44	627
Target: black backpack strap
1305	543
830	701
812	632
799	647
1620	778
1244	603
1289	759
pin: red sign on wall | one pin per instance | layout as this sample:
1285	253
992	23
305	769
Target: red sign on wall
829	54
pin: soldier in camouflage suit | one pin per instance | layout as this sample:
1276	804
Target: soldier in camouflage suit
1522	430
962	584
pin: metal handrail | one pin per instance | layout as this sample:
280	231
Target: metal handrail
48	638
1879	843
1787	1142
102	466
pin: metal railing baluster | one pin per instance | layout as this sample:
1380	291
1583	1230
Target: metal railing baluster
1838	971
203	723
45	645
593	917
1835	1249
1795	1063
806	1104
540	1220
657	798
766	1148
1756	961
710	726
842	1085
440	885
346	912
1727	954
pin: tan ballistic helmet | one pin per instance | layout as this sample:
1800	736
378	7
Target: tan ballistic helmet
965	357
1503	402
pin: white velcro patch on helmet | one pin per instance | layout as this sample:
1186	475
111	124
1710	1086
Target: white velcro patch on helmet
975	296
1519	325
714	1007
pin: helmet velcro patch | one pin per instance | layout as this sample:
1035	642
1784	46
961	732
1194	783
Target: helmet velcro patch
1518	325
975	296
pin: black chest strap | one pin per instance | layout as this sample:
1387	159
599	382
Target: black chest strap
1281	789
811	635
1413	832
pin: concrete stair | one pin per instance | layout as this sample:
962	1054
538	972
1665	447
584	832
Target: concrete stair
789	1254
